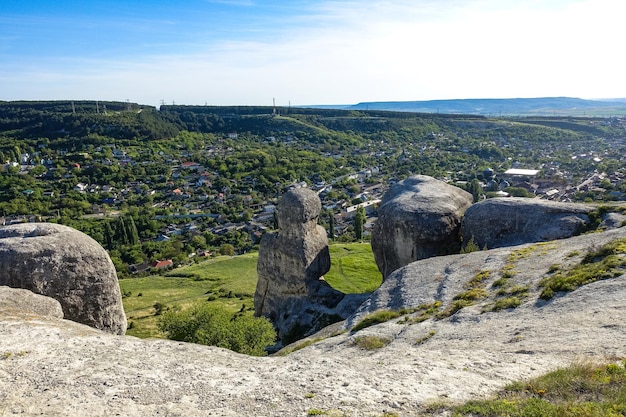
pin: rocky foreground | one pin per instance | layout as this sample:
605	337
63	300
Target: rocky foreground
54	367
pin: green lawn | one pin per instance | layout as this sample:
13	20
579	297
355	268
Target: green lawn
230	282
353	269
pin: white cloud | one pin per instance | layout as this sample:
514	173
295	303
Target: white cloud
345	52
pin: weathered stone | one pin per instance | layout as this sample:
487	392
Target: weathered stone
67	265
418	218
440	280
290	290
62	368
20	302
500	222
612	221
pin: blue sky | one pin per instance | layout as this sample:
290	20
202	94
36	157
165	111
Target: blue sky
302	52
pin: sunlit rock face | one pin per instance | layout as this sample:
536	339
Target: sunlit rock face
291	290
418	218
501	222
67	265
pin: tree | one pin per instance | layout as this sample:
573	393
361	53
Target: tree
474	188
519	192
227	249
214	326
38	170
359	221
331	226
109	236
132	233
121	232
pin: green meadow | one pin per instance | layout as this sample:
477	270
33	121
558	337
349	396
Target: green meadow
353	269
230	282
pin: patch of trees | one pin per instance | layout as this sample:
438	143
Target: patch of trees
214	326
137	149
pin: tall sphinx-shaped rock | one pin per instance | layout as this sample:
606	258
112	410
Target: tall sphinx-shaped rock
67	265
418	218
290	291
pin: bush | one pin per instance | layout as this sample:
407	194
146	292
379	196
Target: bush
471	246
519	192
214	326
227	249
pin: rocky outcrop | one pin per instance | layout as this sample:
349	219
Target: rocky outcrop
67	265
16	301
500	222
612	221
418	218
291	290
62	368
443	279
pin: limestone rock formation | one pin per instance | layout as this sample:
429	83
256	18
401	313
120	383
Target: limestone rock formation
20	302
612	221
418	218
442	279
500	222
67	265
290	290
62	368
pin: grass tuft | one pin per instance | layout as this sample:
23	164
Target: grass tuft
371	342
580	390
377	317
505	303
607	262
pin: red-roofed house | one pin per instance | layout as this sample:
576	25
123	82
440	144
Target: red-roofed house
191	165
161	264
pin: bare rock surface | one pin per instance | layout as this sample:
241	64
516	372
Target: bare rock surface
57	367
290	290
499	222
20	302
67	265
418	218
613	221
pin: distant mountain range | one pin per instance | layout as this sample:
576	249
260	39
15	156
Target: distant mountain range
543	106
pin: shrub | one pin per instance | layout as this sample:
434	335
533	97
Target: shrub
471	246
519	192
214	326
158	308
227	249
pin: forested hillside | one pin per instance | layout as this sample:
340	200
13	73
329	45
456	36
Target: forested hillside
179	182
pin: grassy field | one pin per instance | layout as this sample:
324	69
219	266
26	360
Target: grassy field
230	282
353	269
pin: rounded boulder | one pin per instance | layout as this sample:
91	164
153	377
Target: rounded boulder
419	217
67	265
